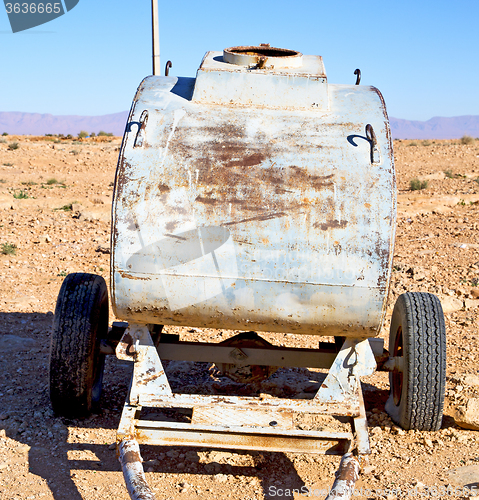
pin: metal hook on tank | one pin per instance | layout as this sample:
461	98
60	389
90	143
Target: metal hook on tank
140	135
371	136
168	65
357	72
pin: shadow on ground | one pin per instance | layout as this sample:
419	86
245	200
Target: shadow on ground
59	448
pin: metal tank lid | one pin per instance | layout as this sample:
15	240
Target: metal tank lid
263	57
262	76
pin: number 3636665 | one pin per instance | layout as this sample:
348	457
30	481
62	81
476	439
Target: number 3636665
33	8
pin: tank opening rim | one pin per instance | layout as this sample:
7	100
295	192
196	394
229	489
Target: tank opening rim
262	51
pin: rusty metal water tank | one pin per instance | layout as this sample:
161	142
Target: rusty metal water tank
256	196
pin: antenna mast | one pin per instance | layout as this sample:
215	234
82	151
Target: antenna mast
156	37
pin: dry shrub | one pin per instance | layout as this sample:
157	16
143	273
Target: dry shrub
467	140
416	185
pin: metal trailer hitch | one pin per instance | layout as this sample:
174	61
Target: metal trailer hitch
242	422
130	459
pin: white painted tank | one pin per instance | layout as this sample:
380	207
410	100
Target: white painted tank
252	197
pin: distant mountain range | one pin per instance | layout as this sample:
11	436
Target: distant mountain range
40	124
435	128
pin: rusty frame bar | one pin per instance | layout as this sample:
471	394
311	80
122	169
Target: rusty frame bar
266	439
361	428
230	436
171	348
347	408
216	353
275	356
322	357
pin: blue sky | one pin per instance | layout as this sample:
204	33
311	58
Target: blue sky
422	54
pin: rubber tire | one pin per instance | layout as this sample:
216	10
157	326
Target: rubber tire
76	364
418	333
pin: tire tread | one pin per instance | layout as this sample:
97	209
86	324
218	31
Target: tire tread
79	311
424	344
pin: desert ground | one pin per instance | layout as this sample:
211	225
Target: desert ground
55	198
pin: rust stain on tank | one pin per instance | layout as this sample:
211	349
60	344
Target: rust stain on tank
124	274
206	201
170	226
122	177
226	131
133	226
231	154
249	187
301	176
258	218
383	255
249	160
175	236
335	224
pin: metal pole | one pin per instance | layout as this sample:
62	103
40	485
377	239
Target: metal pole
156	37
130	460
346	477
